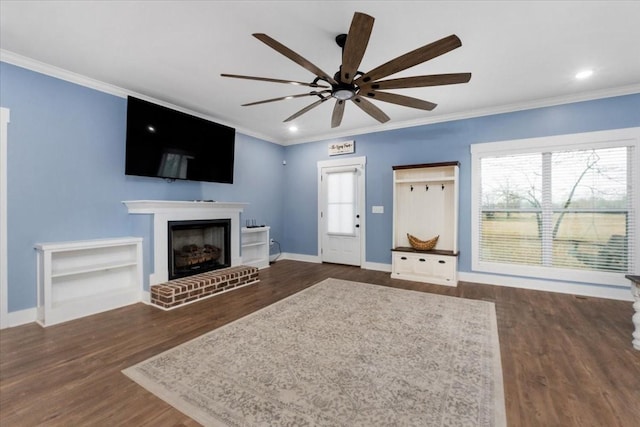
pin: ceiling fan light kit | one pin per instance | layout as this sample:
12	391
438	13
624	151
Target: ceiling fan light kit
350	84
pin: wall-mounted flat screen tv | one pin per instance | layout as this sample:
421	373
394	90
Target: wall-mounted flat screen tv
165	143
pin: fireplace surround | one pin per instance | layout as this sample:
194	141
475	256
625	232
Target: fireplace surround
164	211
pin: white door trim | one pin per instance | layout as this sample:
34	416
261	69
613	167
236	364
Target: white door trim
4	292
359	162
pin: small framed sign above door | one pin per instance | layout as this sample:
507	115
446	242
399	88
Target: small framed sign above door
344	147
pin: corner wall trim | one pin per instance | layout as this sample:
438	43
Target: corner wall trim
4	261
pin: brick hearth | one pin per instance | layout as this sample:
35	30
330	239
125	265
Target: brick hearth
175	293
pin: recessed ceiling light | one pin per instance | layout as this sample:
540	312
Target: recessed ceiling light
293	129
584	74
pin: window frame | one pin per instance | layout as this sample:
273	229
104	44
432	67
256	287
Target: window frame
589	140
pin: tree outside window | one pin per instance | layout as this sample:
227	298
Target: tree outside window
564	209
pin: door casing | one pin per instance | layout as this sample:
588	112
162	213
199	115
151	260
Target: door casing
360	163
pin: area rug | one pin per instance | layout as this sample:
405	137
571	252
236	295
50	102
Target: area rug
340	353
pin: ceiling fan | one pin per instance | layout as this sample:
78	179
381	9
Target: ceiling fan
349	84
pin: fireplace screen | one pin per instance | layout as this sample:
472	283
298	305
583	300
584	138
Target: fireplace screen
198	246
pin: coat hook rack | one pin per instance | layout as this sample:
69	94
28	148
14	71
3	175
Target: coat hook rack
411	187
442	187
426	188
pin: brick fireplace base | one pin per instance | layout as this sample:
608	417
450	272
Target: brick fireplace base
178	292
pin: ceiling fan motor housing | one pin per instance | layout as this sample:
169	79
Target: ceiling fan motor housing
341	90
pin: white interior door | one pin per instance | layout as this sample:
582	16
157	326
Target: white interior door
341	211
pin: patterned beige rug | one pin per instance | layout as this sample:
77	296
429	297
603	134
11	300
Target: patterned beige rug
340	353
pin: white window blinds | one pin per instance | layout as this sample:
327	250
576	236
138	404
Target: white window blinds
561	209
341	202
568	208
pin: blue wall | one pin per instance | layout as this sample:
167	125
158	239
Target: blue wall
449	141
66	171
66	176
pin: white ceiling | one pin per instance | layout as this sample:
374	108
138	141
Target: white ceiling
521	54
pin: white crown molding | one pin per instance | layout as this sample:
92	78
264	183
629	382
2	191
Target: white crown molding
79	79
50	70
60	73
507	108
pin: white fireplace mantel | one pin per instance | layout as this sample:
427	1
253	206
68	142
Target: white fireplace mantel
164	211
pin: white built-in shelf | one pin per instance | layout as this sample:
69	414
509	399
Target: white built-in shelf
255	246
251	245
81	278
93	268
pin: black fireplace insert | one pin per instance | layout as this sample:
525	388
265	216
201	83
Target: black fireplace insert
198	246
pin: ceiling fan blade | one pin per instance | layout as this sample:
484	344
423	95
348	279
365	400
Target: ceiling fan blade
338	112
394	98
282	49
306	109
370	109
410	59
282	98
266	79
355	46
419	81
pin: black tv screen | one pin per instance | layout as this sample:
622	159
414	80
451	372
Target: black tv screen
166	143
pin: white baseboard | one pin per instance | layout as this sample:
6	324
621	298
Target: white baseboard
318	260
22	317
590	290
377	266
301	257
29	315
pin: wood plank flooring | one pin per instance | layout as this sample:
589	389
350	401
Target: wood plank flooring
567	360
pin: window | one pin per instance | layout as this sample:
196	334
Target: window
557	207
341	202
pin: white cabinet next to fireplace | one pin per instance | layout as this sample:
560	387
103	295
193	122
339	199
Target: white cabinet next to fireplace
255	246
81	278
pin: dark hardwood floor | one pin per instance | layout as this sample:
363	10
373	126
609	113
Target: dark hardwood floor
567	360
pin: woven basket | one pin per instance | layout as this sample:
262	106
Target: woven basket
422	245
